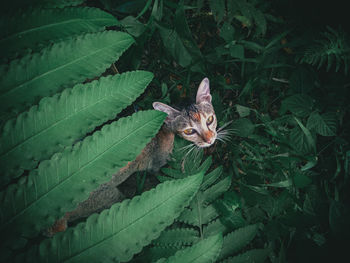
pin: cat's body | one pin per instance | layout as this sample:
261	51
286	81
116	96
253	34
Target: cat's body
196	123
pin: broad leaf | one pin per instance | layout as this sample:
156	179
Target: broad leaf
300	105
23	82
25	30
60	120
325	124
121	231
36	201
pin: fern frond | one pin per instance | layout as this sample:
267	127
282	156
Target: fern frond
237	240
254	255
36	201
177	237
211	177
204	251
121	231
332	48
60	120
199	216
215	191
26	30
23	82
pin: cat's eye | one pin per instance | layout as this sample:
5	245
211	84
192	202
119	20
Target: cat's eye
189	131
210	120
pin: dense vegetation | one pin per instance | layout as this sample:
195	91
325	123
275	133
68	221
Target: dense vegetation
276	191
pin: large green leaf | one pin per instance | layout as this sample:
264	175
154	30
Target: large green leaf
60	120
23	82
14	5
120	232
58	184
325	124
238	239
204	251
27	29
299	104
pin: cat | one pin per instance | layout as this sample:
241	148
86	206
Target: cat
196	123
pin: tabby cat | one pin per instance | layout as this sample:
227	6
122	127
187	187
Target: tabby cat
195	123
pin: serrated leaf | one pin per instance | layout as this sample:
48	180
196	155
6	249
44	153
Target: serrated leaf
26	30
36	201
60	120
216	190
204	251
121	231
177	237
325	124
237	240
254	255
23	82
211	177
198	216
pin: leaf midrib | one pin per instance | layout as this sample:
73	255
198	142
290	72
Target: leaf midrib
69	177
34	29
60	67
132	223
55	124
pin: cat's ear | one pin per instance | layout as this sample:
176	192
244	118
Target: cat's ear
172	113
203	92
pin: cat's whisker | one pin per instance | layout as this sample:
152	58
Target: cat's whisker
225	125
184	148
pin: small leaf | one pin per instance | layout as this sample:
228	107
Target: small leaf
227	32
242	111
237	51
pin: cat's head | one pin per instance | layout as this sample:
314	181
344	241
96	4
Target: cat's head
197	122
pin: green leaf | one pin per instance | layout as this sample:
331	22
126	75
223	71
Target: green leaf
133	26
177	237
254	255
23	82
36	201
121	231
27	29
174	45
237	51
243	127
198	216
204	251
299	104
237	240
227	32
218	9
242	110
307	137
14	5
325	124
60	120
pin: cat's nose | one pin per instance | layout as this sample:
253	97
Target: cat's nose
209	137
